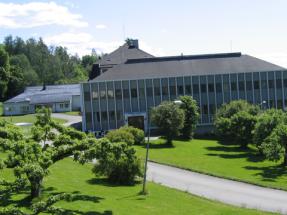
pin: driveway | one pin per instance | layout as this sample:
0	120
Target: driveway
70	118
227	191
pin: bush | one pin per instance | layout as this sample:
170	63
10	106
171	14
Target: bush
235	122
138	134
120	135
190	108
117	161
169	118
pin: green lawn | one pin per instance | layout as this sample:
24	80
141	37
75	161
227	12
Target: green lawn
228	161
73	113
30	118
96	196
1	108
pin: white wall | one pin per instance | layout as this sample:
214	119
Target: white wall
18	108
76	103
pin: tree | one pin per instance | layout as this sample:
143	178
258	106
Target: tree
266	123
4	71
169	118
191	113
274	147
30	159
235	121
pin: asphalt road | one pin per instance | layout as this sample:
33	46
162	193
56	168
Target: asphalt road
223	190
227	191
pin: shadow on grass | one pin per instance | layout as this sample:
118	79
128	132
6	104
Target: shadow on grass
269	173
107	183
73	212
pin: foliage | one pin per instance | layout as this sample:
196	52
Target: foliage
117	161
266	123
169	118
31	160
191	116
138	134
235	121
32	62
120	135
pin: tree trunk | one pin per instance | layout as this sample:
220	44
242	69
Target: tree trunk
36	189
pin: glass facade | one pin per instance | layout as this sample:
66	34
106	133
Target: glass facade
105	104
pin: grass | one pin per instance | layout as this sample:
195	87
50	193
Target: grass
214	158
1	108
73	113
95	196
29	118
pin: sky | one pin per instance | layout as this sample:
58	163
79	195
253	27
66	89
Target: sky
163	27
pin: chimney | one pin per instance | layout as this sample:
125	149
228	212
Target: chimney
133	43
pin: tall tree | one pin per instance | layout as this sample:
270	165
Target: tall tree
4	71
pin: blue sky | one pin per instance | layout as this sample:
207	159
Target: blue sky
163	27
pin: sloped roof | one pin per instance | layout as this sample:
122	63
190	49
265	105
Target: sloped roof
121	55
51	93
186	66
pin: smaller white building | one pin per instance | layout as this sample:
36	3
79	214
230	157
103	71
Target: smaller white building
60	98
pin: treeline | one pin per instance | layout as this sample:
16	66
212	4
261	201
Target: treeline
32	62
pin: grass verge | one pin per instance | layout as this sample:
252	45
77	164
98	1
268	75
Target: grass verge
222	160
96	196
29	118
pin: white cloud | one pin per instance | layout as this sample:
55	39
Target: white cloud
35	14
101	26
151	50
82	43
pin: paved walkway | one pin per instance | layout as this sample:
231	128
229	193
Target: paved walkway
227	191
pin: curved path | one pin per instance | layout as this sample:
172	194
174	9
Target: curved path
223	190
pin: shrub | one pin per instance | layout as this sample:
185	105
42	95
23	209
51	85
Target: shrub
190	108
138	134
235	122
120	135
117	161
169	118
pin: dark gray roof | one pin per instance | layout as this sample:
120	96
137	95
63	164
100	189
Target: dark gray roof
121	54
186	66
51	94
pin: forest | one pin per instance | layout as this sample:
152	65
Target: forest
31	62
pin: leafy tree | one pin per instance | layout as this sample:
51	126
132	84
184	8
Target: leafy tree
169	118
4	71
31	160
266	123
274	147
138	134
120	135
191	114
235	121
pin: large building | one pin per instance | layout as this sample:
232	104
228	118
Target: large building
124	93
60	98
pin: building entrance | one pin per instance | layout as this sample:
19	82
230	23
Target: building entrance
136	121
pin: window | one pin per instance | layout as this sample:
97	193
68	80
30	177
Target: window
98	116
204	109
149	91
211	109
211	88
172	90
126	94
241	86
203	88
164	90
103	94
156	91
180	90
195	88
87	96
279	104
112	115
278	84
104	116
226	86
218	88
187	89
271	84
24	108
134	93
67	105
256	85
95	94
110	94
61	106
119	115
285	83
118	94
233	86
248	85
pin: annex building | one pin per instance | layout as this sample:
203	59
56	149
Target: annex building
123	93
60	98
